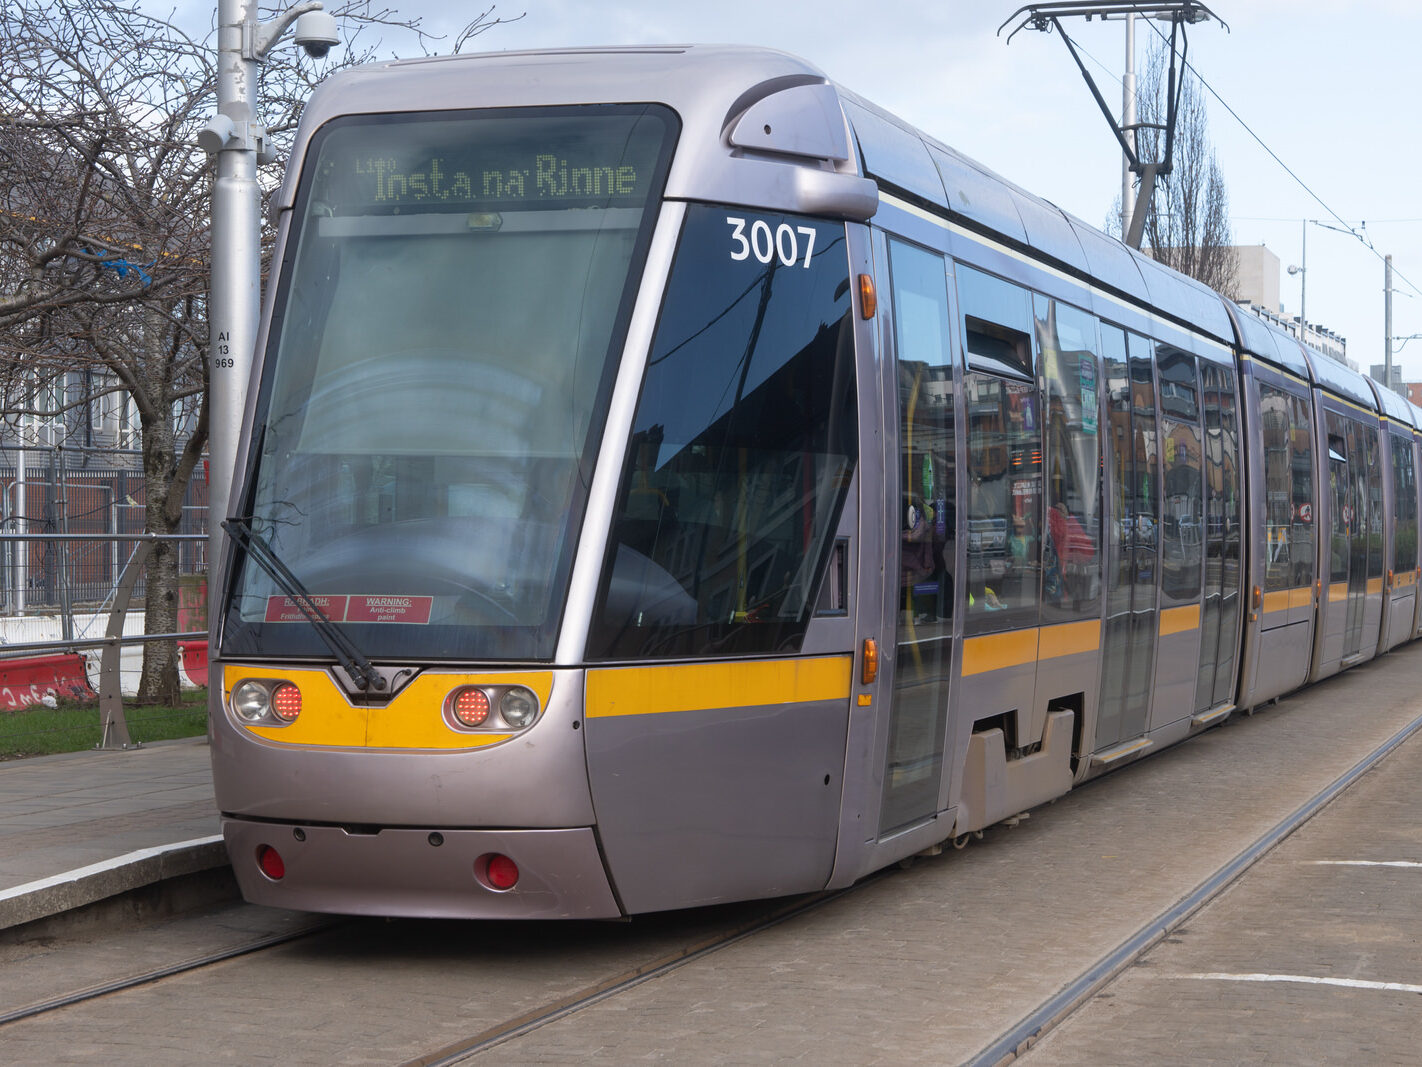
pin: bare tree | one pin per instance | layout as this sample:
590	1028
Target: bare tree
1188	224
104	248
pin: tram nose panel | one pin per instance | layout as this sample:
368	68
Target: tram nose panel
444	752
558	874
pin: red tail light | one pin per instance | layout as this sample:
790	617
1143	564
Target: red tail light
499	871
270	861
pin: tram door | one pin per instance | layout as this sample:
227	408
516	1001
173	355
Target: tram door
1132	561
1346	599
1402	595
926	506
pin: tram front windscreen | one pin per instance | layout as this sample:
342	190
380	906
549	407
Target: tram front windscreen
444	336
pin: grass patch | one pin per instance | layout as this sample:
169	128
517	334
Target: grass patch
41	731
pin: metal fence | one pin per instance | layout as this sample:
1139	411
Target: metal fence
48	496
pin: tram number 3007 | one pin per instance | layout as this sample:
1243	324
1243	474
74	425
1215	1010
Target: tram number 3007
784	242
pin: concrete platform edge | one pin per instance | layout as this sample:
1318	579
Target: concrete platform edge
98	881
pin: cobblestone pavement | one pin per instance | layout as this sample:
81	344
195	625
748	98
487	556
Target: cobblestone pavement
929	964
62	814
1315	956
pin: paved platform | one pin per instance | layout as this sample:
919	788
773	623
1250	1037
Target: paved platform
83	826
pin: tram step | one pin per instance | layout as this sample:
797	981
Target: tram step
1106	757
1206	718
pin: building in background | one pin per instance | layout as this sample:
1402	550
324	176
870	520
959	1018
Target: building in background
1257	272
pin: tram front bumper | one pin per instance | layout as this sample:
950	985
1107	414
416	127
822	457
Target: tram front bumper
420	873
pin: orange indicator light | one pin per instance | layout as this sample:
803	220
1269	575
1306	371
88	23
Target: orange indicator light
868	298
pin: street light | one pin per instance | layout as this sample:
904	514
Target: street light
1302	271
239	141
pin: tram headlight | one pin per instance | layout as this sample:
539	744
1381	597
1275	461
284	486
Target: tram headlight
473	707
518	707
251	701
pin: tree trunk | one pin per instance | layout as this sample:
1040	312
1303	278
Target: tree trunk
160	683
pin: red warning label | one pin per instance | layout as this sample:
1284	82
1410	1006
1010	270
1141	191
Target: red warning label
411	610
284	609
406	609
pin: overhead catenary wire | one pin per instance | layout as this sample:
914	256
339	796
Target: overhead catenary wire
1362	237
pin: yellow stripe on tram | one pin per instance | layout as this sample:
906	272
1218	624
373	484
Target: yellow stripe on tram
1179	620
670	688
1069	639
995	652
1278	600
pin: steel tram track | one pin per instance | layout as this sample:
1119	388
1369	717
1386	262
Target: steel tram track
159	974
1054	1011
1015	1041
596	993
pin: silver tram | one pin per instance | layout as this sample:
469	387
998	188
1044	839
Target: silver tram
671	479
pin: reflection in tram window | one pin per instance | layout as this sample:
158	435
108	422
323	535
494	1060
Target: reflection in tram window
927	496
742	449
1004	503
1220	609
1301	468
1339	492
1375	502
1071	560
1182	527
1004	513
997	324
1288	489
1404	494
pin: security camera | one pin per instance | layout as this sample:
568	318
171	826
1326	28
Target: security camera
316	33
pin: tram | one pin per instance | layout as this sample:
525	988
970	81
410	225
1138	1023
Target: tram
669	478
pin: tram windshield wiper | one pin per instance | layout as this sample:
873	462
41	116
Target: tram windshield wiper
355	662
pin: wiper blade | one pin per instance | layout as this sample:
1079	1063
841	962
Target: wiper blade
360	669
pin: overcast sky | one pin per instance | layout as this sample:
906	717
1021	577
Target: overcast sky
1332	89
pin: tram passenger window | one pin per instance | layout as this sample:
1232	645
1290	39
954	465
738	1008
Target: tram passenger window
1404	494
1340	496
1373	450
743	445
997	323
927	462
1071	557
1004	503
1301	540
1275	408
1182	484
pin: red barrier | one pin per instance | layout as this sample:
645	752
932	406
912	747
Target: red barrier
194	661
27	681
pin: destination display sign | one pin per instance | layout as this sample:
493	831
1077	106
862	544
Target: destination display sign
387	166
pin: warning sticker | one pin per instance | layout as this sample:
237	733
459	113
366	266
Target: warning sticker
407	609
284	609
411	610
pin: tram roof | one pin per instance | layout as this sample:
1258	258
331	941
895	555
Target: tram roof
897	153
1394	406
1340	378
803	159
717	87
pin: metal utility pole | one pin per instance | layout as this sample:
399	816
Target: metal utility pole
234	301
1302	271
1128	120
1387	321
1179	13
